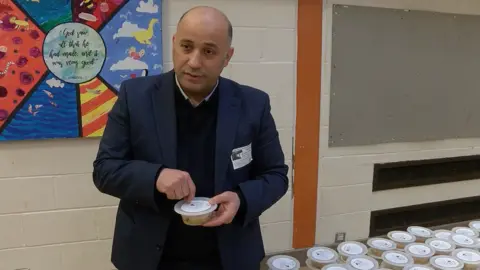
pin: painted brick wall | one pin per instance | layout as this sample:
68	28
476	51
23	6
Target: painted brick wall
51	215
345	196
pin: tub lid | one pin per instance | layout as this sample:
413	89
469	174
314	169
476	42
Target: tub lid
283	262
322	254
465	231
419	250
362	262
463	240
420	231
397	258
401	236
440	244
198	206
352	248
446	262
475	224
467	255
417	267
442	234
381	244
335	266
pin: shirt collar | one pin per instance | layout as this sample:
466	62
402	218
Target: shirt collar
185	95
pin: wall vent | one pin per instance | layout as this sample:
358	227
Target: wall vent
427	215
425	172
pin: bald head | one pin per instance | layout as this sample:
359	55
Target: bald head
202	14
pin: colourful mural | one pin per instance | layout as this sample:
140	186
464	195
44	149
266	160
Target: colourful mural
62	62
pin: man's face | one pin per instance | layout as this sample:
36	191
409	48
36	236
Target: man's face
200	52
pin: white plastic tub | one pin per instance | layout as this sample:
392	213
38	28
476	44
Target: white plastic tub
401	238
336	266
420	252
362	262
442	234
376	246
351	248
444	262
475	224
421	233
470	258
196	212
463	241
396	260
466	231
417	267
441	246
319	257
283	262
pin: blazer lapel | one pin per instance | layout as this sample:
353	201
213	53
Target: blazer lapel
165	118
227	121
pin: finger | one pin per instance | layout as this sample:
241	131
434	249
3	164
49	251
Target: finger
178	194
220	198
185	189
220	219
191	189
171	195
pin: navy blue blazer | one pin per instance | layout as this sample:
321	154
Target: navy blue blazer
140	138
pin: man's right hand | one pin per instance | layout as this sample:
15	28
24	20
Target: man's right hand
176	184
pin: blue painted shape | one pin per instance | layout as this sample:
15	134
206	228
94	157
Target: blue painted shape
45	116
47	13
118	37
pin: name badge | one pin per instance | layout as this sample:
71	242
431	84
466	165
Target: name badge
241	156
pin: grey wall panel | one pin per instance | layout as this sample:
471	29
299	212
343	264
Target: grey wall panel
403	76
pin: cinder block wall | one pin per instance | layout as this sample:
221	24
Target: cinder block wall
345	197
52	217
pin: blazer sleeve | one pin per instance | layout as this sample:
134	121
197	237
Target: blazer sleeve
270	181
114	171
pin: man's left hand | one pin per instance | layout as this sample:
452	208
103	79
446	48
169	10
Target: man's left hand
228	205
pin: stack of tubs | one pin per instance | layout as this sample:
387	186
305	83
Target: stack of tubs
417	248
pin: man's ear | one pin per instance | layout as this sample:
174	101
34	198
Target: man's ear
228	56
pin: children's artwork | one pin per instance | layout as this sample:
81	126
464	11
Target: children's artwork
62	62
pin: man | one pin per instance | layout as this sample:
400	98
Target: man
187	133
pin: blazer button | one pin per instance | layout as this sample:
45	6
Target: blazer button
159	247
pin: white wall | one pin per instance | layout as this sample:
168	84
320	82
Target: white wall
51	215
345	196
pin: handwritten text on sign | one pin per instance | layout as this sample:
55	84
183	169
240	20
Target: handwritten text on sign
74	52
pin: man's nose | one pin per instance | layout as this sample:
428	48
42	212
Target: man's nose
195	61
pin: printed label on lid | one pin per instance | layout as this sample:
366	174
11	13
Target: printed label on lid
441	245
362	264
443	235
465	231
195	206
400	236
352	249
420	250
420	231
469	256
446	262
463	239
382	244
322	254
284	263
396	258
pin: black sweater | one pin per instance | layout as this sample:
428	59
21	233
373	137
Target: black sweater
196	128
